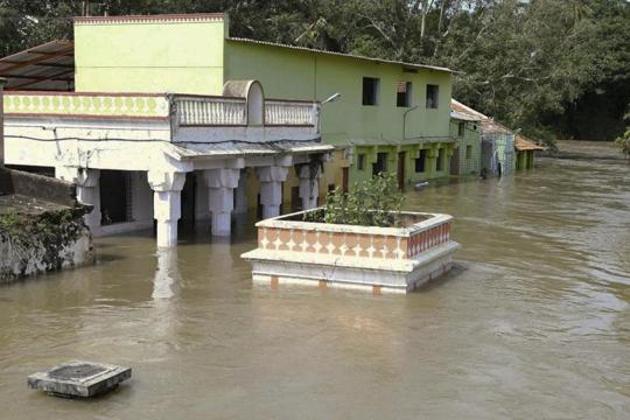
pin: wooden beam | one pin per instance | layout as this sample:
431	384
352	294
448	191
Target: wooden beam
56	65
52	77
37	60
11	76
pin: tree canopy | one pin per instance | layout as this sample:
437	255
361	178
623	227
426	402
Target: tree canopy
548	67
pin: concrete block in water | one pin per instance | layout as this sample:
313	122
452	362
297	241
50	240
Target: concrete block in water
79	379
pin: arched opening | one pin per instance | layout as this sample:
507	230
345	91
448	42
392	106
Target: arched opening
254	96
255	105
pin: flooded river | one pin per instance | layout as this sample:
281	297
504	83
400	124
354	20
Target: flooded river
533	323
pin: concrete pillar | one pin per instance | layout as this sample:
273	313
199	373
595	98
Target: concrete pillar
3	82
88	190
167	188
271	179
309	175
221	184
240	198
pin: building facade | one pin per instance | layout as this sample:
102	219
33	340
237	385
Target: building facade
176	86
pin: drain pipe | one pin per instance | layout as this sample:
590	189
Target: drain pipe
3	82
404	133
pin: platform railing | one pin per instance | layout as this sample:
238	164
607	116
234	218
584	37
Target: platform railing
290	113
210	111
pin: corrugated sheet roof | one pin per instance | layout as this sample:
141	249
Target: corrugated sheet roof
49	66
191	150
354	56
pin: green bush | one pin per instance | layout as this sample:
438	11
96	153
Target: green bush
374	202
624	143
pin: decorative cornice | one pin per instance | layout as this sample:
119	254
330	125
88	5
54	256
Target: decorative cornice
175	18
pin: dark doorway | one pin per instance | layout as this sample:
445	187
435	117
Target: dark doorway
455	162
345	179
188	200
401	170
380	165
115	197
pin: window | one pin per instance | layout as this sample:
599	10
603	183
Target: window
432	96
331	187
461	128
370	91
361	161
420	161
403	94
468	151
439	165
380	165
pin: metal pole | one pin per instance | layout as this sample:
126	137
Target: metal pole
3	82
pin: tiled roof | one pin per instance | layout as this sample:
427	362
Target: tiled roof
172	18
522	143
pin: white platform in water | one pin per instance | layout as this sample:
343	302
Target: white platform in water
291	250
79	379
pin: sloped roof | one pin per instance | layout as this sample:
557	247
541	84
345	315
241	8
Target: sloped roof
488	125
48	66
522	143
338	54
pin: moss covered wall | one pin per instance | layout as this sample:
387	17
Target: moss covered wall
49	241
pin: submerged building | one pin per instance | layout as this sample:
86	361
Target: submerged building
501	150
167	117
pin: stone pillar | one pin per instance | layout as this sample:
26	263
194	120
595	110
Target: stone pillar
271	179
3	82
221	184
309	175
88	190
240	199
167	188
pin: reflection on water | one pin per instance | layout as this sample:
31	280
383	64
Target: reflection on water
535	322
167	275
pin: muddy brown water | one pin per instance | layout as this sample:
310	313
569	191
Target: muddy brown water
533	323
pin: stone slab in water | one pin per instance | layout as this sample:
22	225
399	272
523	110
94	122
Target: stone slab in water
79	379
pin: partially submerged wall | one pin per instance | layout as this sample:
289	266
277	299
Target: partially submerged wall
41	226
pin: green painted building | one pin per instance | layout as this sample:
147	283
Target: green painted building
389	116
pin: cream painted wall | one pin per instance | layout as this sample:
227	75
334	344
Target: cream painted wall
150	57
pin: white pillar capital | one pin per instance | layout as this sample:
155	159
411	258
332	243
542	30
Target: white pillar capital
84	177
272	173
167	187
222	178
161	181
221	184
271	179
309	174
88	191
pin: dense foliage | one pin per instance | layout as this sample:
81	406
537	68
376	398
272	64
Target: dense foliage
543	66
374	202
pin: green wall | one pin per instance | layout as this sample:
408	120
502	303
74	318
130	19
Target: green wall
299	74
150	57
471	138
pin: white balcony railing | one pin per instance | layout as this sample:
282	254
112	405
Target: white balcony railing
218	111
290	113
207	110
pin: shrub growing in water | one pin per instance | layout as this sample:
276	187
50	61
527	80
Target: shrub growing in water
375	202
624	143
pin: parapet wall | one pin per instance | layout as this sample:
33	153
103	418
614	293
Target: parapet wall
37	186
41	226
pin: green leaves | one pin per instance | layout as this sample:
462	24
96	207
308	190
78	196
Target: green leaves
375	202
